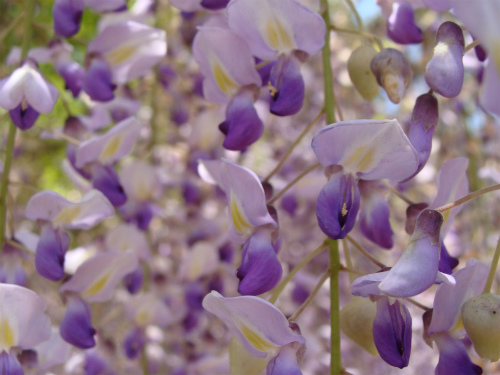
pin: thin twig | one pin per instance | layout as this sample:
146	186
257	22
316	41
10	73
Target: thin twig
418	304
309	299
294	181
364	252
396	192
293	145
467	198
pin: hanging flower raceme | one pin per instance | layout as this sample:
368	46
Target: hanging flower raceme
97	155
122	52
365	149
55	213
24	324
251	224
26	94
230	77
258	325
285	32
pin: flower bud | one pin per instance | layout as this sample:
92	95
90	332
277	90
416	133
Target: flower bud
444	73
360	73
356	321
393	73
481	319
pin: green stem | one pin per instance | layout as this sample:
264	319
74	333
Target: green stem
493	270
9	150
467	198
12	25
293	182
359	21
335	361
471	46
311	297
286	280
348	261
364	252
327	68
292	147
144	361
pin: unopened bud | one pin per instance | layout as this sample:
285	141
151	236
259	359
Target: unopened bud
393	73
356	321
481	319
360	73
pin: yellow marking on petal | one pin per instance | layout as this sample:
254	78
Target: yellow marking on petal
361	160
120	55
256	340
111	147
240	222
97	286
224	81
7	333
66	216
344	210
272	89
278	37
143	318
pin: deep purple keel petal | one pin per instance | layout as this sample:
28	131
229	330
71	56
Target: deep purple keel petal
67	15
76	326
134	342
214	4
105	179
392	332
260	269
24	119
338	205
287	87
242	126
98	82
9	365
401	26
50	252
453	357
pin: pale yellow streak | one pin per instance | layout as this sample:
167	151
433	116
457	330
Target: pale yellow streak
224	81
111	147
120	55
7	333
240	222
66	216
256	340
97	286
278	37
361	160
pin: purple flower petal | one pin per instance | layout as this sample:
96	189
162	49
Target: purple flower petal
421	128
438	5
225	61
446	261
50	206
444	73
276	27
258	324
97	83
130	48
287	87
374	216
370	149
401	26
452	185
111	146
76	326
134	342
9	365
106	6
453	357
392	332
106	180
25	118
490	89
67	15
73	75
242	126
260	269
338	205
412	213
50	252
285	363
134	280
417	268
96	278
214	4
449	299
367	285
